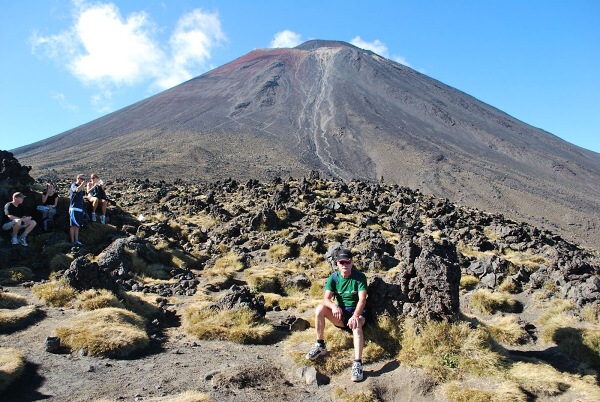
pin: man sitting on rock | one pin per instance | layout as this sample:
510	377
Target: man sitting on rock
349	286
15	219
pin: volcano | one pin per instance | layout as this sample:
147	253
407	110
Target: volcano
347	113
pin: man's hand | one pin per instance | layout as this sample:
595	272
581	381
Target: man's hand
337	313
353	322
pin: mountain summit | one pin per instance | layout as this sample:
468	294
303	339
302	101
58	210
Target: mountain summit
348	113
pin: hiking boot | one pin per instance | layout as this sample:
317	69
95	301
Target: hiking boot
23	241
94	216
103	219
14	240
316	351
357	371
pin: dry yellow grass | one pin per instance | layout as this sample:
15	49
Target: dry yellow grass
543	381
12	366
95	299
528	260
110	332
507	330
340	393
186	396
11	300
226	265
503	392
468	282
264	279
591	313
54	293
487	302
15	275
11	319
278	252
448	351
240	326
139	303
508	286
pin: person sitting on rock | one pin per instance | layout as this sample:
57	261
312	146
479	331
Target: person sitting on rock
15	219
97	196
349	287
49	203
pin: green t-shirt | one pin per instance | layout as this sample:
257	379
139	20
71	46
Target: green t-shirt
346	289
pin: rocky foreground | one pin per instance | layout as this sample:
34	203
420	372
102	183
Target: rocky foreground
279	235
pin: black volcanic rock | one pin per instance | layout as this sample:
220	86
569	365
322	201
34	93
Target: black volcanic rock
330	107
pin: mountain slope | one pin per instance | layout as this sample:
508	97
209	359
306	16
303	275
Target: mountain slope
348	113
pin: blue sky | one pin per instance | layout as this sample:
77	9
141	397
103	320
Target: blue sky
65	63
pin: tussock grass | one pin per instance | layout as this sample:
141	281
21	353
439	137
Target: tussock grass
382	338
15	275
60	262
264	279
468	282
273	300
96	299
278	252
504	392
240	326
11	319
56	293
139	303
507	330
469	251
186	396
448	351
541	380
528	260
488	302
226	265
581	344
508	286
339	393
110	332
591	313
11	300
12	366
557	315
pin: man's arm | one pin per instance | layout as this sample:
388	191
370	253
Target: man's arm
328	302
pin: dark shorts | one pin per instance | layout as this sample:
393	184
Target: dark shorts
347	314
76	218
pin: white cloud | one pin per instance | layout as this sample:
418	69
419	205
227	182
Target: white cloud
103	49
380	48
62	101
286	38
196	34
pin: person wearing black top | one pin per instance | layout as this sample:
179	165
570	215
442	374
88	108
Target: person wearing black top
49	203
15	219
97	196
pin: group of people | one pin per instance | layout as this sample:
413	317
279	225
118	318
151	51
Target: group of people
15	218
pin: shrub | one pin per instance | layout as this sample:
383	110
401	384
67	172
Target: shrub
339	393
54	293
468	282
278	252
240	326
507	330
448	351
505	392
15	275
95	299
110	332
12	319
487	302
139	304
12	366
11	300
